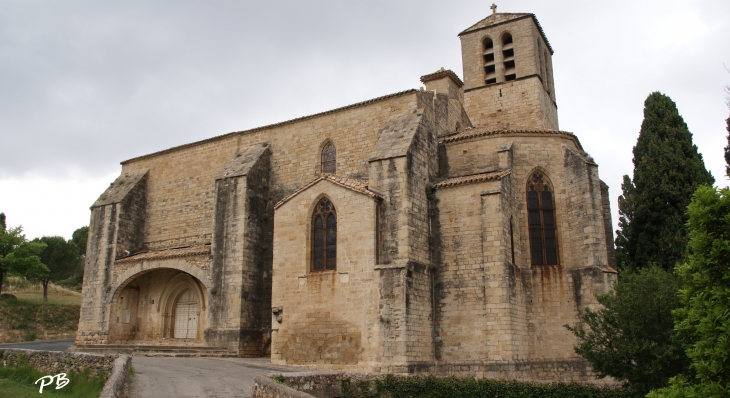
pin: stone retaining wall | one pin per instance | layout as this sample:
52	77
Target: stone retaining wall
264	387
112	367
54	362
329	384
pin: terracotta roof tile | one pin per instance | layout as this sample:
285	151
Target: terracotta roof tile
175	252
494	175
474	132
356	185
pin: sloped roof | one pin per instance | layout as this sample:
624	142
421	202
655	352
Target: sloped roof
440	74
473	132
175	252
241	164
493	175
120	188
396	137
360	186
504	17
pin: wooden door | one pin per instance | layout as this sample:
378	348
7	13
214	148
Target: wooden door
186	316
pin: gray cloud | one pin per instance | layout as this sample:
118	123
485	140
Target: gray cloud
87	84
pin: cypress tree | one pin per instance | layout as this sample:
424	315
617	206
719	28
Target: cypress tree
727	148
667	170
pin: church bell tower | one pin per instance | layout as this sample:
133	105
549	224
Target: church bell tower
508	73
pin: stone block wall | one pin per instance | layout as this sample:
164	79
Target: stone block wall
517	104
241	251
117	218
55	362
328	318
518	309
509	104
181	184
527	41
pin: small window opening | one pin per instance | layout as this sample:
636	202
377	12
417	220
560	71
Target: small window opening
488	43
512	240
507	39
489	67
329	159
508	60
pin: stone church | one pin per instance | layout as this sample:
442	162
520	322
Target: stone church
451	229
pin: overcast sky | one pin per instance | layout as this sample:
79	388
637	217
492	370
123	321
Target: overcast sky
85	85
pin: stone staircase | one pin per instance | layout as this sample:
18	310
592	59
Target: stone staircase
154	350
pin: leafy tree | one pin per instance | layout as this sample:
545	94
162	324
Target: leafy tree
61	257
16	254
667	170
632	337
79	237
704	316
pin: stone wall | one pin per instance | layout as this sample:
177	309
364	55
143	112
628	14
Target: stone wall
181	185
240	295
328	318
55	362
517	104
325	384
492	304
528	101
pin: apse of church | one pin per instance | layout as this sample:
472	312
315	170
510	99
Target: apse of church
451	229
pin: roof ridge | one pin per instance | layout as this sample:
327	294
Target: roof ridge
337	180
520	15
461	180
268	126
473	132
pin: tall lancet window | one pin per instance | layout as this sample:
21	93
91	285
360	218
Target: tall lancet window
541	220
329	159
324	236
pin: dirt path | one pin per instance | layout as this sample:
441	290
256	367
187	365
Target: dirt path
161	377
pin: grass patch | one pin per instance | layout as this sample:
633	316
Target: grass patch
28	320
33	291
18	381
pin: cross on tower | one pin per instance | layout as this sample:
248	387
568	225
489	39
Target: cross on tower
494	8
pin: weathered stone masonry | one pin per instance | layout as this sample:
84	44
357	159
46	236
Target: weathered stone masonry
210	245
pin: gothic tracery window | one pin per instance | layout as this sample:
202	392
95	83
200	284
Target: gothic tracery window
329	159
324	236
541	220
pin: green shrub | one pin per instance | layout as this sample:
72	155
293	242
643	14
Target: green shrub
80	384
432	387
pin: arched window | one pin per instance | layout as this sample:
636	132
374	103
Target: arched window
329	159
541	220
508	56
324	236
489	66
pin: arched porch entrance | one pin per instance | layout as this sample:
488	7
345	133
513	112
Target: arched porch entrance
160	306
